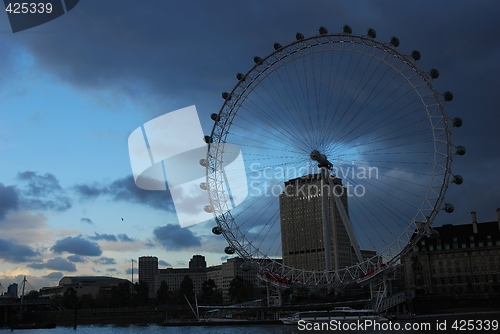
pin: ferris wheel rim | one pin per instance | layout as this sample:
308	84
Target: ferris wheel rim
230	109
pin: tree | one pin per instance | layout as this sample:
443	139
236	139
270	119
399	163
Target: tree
210	293
140	295
87	301
120	295
33	294
162	293
70	299
240	289
187	288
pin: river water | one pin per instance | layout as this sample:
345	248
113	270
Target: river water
471	323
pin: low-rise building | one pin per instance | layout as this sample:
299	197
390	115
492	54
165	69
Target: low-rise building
83	285
199	273
458	260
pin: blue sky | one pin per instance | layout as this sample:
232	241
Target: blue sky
72	91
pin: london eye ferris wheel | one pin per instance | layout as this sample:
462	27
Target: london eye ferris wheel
346	107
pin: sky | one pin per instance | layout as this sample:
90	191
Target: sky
73	90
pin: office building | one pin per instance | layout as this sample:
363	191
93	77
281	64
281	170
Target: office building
148	268
84	285
302	224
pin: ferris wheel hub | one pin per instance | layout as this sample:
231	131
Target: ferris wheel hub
321	159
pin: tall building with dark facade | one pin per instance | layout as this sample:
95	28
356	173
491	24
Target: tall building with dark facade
148	268
302	224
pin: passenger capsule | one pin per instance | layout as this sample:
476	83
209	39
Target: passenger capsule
215	117
460	150
229	250
226	96
347	29
299	36
457	122
257	60
203	162
277	46
240	76
371	33
323	31
216	230
434	73
395	41
204	186
415	54
448	96
449	208
458	179
208	208
208	139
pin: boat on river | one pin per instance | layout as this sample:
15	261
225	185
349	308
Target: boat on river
339	314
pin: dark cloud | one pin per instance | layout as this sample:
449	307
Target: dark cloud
164	263
76	259
105	261
174	237
11	251
42	192
55	275
89	191
125	238
125	190
111	237
87	221
39	185
9	199
57	263
128	271
78	246
106	237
